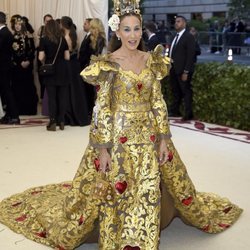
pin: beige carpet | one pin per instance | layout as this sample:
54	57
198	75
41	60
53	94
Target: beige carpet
31	156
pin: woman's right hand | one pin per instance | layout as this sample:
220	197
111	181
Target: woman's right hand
105	160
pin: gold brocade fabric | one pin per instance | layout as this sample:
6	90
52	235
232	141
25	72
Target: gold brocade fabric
130	117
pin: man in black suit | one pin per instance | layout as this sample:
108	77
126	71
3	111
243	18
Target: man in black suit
85	51
182	53
6	40
153	41
85	54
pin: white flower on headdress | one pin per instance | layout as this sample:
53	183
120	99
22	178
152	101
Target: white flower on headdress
114	22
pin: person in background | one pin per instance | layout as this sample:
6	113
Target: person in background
93	44
240	28
97	36
41	30
85	53
40	34
85	50
225	36
194	32
58	20
247	38
28	26
182	53
161	32
23	85
76	111
56	84
152	41
6	40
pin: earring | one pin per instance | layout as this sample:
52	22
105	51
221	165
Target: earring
118	38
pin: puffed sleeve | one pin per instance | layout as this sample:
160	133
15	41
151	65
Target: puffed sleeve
159	63
101	74
160	66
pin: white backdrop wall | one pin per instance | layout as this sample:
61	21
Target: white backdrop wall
78	10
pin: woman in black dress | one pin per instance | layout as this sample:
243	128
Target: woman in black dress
77	110
22	73
56	84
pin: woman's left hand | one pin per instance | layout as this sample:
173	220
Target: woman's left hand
163	152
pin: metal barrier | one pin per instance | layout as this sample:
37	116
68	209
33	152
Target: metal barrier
219	42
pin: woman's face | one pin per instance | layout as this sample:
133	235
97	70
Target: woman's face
130	32
18	26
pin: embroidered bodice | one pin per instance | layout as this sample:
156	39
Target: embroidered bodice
129	107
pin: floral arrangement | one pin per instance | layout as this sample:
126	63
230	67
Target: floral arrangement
114	22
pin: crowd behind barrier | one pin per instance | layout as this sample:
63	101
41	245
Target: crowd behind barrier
217	42
220	42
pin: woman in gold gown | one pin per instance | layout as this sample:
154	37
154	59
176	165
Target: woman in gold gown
130	169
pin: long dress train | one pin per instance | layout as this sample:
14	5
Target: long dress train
124	205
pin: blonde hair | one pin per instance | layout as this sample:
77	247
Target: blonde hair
96	31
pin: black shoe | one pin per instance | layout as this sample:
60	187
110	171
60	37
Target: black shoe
4	120
51	126
61	125
9	121
15	121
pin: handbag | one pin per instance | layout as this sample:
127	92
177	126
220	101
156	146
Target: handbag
49	69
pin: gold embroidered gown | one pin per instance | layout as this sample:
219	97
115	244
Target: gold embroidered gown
130	117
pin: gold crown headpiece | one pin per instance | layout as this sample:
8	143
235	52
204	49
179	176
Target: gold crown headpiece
122	7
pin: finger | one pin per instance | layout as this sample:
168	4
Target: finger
164	158
161	157
103	168
109	166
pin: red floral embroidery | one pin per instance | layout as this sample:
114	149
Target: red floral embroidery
152	138
123	139
131	248
139	86
41	234
66	185
226	210
16	204
21	218
36	192
206	228
61	248
121	186
81	220
97	87
97	164
170	156
224	225
187	201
